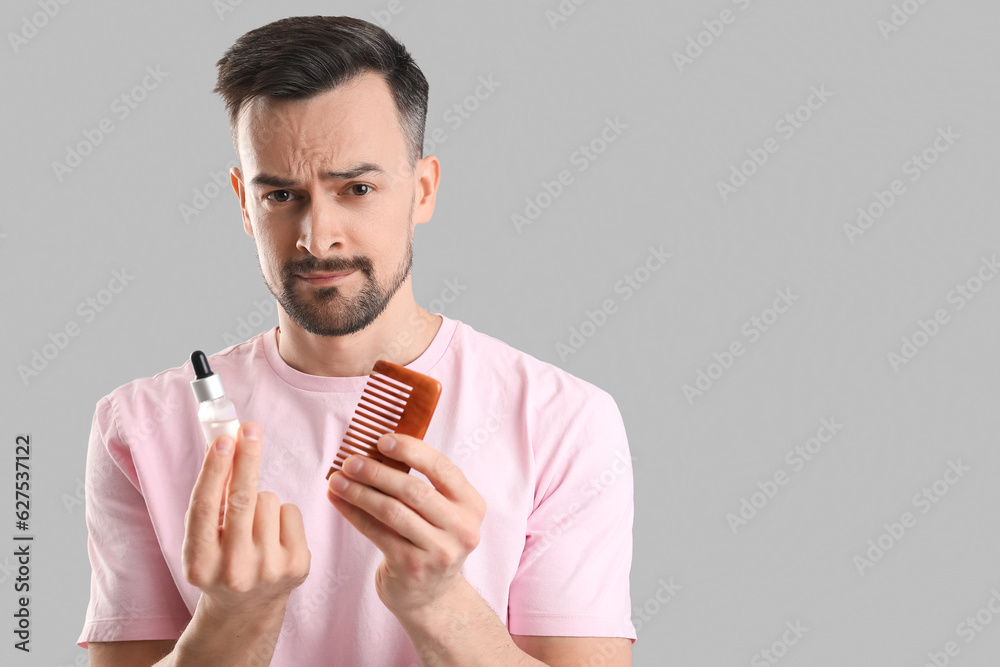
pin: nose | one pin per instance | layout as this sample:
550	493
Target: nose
322	228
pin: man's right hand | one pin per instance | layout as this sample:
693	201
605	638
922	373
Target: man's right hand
247	567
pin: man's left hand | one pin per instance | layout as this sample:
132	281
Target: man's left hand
425	531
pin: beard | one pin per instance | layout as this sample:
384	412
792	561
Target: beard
328	311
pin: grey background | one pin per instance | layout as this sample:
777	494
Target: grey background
196	281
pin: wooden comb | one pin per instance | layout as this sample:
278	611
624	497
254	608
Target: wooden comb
395	400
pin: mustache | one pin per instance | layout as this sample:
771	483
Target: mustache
331	265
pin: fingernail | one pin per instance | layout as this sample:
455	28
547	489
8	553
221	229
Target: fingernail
338	482
225	444
387	443
251	431
353	465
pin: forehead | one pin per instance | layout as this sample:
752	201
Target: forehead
356	121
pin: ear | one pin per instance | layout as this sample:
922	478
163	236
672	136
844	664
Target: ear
236	178
429	170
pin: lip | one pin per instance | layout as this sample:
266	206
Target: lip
324	278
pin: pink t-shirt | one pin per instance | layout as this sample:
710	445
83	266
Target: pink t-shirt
546	450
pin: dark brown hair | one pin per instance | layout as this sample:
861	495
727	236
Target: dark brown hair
298	57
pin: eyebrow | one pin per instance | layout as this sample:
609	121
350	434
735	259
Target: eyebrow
353	172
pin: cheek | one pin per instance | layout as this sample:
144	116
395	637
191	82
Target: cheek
271	232
366	233
384	230
270	260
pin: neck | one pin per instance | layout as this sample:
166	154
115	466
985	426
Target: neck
399	335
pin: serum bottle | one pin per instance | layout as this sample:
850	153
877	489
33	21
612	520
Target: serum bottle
216	413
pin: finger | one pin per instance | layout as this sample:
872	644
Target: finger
388	511
265	522
242	501
202	520
225	496
438	468
266	536
386	539
415	493
292	534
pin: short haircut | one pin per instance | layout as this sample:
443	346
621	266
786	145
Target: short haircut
302	56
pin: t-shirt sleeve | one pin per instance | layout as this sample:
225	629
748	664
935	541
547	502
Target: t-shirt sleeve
132	593
573	577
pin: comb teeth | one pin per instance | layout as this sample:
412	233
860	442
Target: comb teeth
386	407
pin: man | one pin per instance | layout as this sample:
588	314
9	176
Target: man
509	542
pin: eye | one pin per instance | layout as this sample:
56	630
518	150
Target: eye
367	189
283	196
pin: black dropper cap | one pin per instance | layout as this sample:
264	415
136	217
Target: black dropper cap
200	363
207	386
